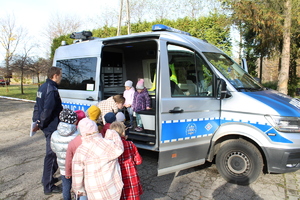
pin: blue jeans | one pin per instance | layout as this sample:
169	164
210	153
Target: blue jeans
130	113
82	198
66	187
139	120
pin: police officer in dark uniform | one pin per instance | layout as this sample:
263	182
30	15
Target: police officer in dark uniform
46	113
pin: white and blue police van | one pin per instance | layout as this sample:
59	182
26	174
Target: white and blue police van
205	107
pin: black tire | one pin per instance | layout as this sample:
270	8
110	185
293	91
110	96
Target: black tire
239	162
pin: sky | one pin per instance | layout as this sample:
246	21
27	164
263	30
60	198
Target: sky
34	14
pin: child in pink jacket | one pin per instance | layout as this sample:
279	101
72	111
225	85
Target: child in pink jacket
128	94
96	170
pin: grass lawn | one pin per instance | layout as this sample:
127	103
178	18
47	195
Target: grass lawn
15	91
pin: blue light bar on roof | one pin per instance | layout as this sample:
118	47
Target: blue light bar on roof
161	27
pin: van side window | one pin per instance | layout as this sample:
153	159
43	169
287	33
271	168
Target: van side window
204	77
78	74
189	75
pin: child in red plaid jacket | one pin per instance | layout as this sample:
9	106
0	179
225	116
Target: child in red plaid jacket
132	188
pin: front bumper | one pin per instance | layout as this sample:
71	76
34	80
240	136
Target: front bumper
282	160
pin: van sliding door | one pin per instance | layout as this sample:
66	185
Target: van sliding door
189	112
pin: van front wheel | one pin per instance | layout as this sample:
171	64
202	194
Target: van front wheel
239	162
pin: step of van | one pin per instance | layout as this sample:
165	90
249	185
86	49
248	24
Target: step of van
142	137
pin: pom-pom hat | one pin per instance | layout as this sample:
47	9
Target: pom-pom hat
140	84
68	116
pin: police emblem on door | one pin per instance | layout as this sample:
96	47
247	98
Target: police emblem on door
191	129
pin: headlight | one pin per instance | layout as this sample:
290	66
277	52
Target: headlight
285	124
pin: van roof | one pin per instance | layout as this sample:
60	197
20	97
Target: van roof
168	36
172	37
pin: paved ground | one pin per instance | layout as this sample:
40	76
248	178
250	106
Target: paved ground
21	159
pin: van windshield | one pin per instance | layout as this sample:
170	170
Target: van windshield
240	79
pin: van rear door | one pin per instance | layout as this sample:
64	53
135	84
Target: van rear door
188	110
80	65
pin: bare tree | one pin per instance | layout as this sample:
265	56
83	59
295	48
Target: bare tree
61	24
21	62
107	18
120	18
40	66
138	8
162	10
110	17
11	36
192	8
128	17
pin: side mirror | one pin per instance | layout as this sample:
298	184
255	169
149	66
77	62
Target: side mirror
221	88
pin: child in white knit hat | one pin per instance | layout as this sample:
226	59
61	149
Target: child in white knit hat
128	94
120	117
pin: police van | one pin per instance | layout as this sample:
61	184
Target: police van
205	107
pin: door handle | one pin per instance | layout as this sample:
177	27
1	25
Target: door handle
176	110
90	98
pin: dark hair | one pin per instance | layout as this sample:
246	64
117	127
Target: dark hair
52	71
119	98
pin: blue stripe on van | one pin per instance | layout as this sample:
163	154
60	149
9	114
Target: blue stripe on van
178	130
283	104
76	106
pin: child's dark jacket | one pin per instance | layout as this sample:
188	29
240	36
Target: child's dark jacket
141	100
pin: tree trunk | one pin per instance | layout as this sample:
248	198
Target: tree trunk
22	74
120	18
7	71
128	18
261	66
38	80
285	55
240	44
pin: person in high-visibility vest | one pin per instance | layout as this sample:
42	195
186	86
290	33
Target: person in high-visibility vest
173	77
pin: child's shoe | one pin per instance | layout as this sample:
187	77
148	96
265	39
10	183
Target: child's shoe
138	129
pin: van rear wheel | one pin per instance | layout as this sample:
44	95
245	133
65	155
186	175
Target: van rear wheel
239	162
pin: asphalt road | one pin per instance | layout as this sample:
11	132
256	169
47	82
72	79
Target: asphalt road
21	163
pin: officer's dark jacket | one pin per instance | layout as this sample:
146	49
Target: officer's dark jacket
47	107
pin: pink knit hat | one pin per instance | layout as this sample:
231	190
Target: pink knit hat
140	84
87	127
80	115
